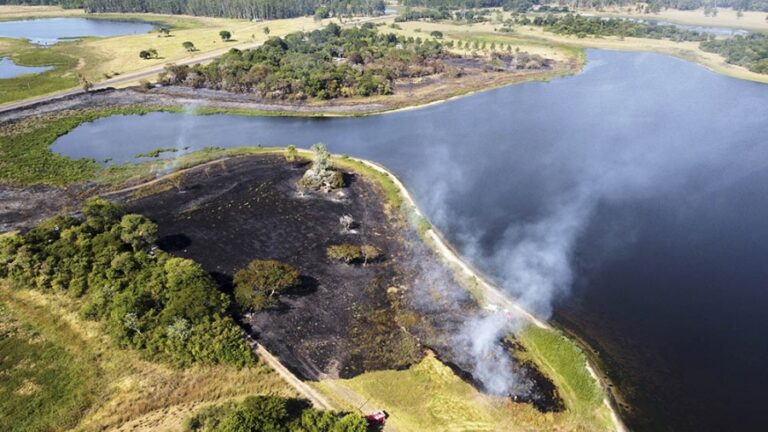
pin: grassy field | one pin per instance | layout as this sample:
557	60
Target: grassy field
430	397
65	373
99	59
45	386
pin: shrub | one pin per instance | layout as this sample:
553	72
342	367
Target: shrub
346	253
260	282
321	176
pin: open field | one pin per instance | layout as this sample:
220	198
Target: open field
98	386
99	59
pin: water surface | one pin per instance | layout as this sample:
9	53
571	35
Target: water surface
9	69
48	31
630	200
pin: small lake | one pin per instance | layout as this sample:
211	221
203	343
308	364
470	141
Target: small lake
630	201
9	69
719	31
48	31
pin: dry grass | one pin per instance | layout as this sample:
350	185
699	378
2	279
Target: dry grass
133	393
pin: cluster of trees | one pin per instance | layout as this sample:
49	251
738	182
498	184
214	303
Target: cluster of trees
168	307
321	176
324	64
582	26
248	9
273	414
750	51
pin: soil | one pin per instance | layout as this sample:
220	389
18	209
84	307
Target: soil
23	208
344	319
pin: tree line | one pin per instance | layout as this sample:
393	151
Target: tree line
582	26
749	51
248	9
167	307
651	5
322	64
273	414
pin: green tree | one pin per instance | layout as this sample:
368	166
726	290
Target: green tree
189	46
165	31
291	154
137	231
225	35
258	284
266	31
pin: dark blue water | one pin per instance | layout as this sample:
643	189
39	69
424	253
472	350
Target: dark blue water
47	31
9	69
630	201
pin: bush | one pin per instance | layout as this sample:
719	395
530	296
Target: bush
260	282
273	414
321	176
345	253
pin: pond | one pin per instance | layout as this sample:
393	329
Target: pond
48	31
629	201
718	31
9	69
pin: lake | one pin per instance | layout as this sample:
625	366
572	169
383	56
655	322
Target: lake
9	69
48	31
628	201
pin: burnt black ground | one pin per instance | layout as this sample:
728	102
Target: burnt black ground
344	320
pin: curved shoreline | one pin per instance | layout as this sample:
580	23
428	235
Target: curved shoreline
448	253
445	251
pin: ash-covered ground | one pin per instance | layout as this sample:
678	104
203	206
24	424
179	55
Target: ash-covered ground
344	319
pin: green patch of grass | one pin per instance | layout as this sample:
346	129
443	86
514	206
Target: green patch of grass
25	154
565	363
23	53
391	191
156	152
44	386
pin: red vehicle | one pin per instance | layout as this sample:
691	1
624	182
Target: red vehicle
377	418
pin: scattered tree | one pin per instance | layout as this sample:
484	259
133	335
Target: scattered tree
85	83
370	253
266	31
189	46
165	31
225	35
258	284
346	253
321	176
437	34
291	154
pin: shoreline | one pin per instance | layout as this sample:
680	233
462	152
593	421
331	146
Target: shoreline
436	242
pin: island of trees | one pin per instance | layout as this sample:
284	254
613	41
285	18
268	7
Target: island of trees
324	64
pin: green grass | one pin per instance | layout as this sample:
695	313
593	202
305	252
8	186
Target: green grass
26	157
565	363
44	386
62	76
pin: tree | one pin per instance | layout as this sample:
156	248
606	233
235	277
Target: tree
260	281
437	34
291	154
346	253
145	54
266	31
165	31
321	176
85	83
137	231
370	253
189	46
226	35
